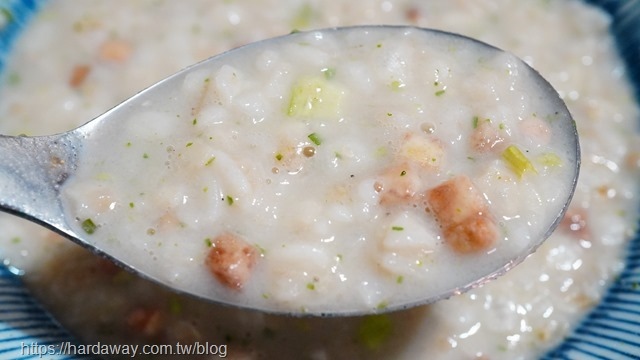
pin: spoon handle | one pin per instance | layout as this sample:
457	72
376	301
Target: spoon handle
31	172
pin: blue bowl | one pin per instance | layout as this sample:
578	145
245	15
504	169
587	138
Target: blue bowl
610	331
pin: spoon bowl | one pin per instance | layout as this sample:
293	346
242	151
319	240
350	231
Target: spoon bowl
174	149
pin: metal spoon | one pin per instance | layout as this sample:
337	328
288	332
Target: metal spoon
33	170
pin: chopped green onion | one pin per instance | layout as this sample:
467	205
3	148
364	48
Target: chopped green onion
399	279
315	138
229	200
311	286
475	122
517	160
440	92
397	228
210	161
550	159
89	226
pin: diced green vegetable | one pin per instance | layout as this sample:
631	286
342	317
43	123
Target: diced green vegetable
315	138
550	159
517	161
89	226
397	228
375	330
314	97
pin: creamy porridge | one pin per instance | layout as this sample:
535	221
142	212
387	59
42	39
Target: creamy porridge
519	315
352	170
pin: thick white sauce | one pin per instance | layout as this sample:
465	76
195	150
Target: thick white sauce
330	171
517	316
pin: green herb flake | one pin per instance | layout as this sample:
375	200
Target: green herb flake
194	121
210	161
315	138
440	92
397	228
16	240
475	122
208	242
397	85
501	126
311	286
229	200
279	156
261	250
399	279
378	45
128	144
145	156
189	144
89	226
132	205
375	330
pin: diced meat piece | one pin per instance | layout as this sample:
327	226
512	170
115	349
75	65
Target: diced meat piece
463	214
536	129
397	185
146	321
231	260
115	50
575	222
78	75
486	137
